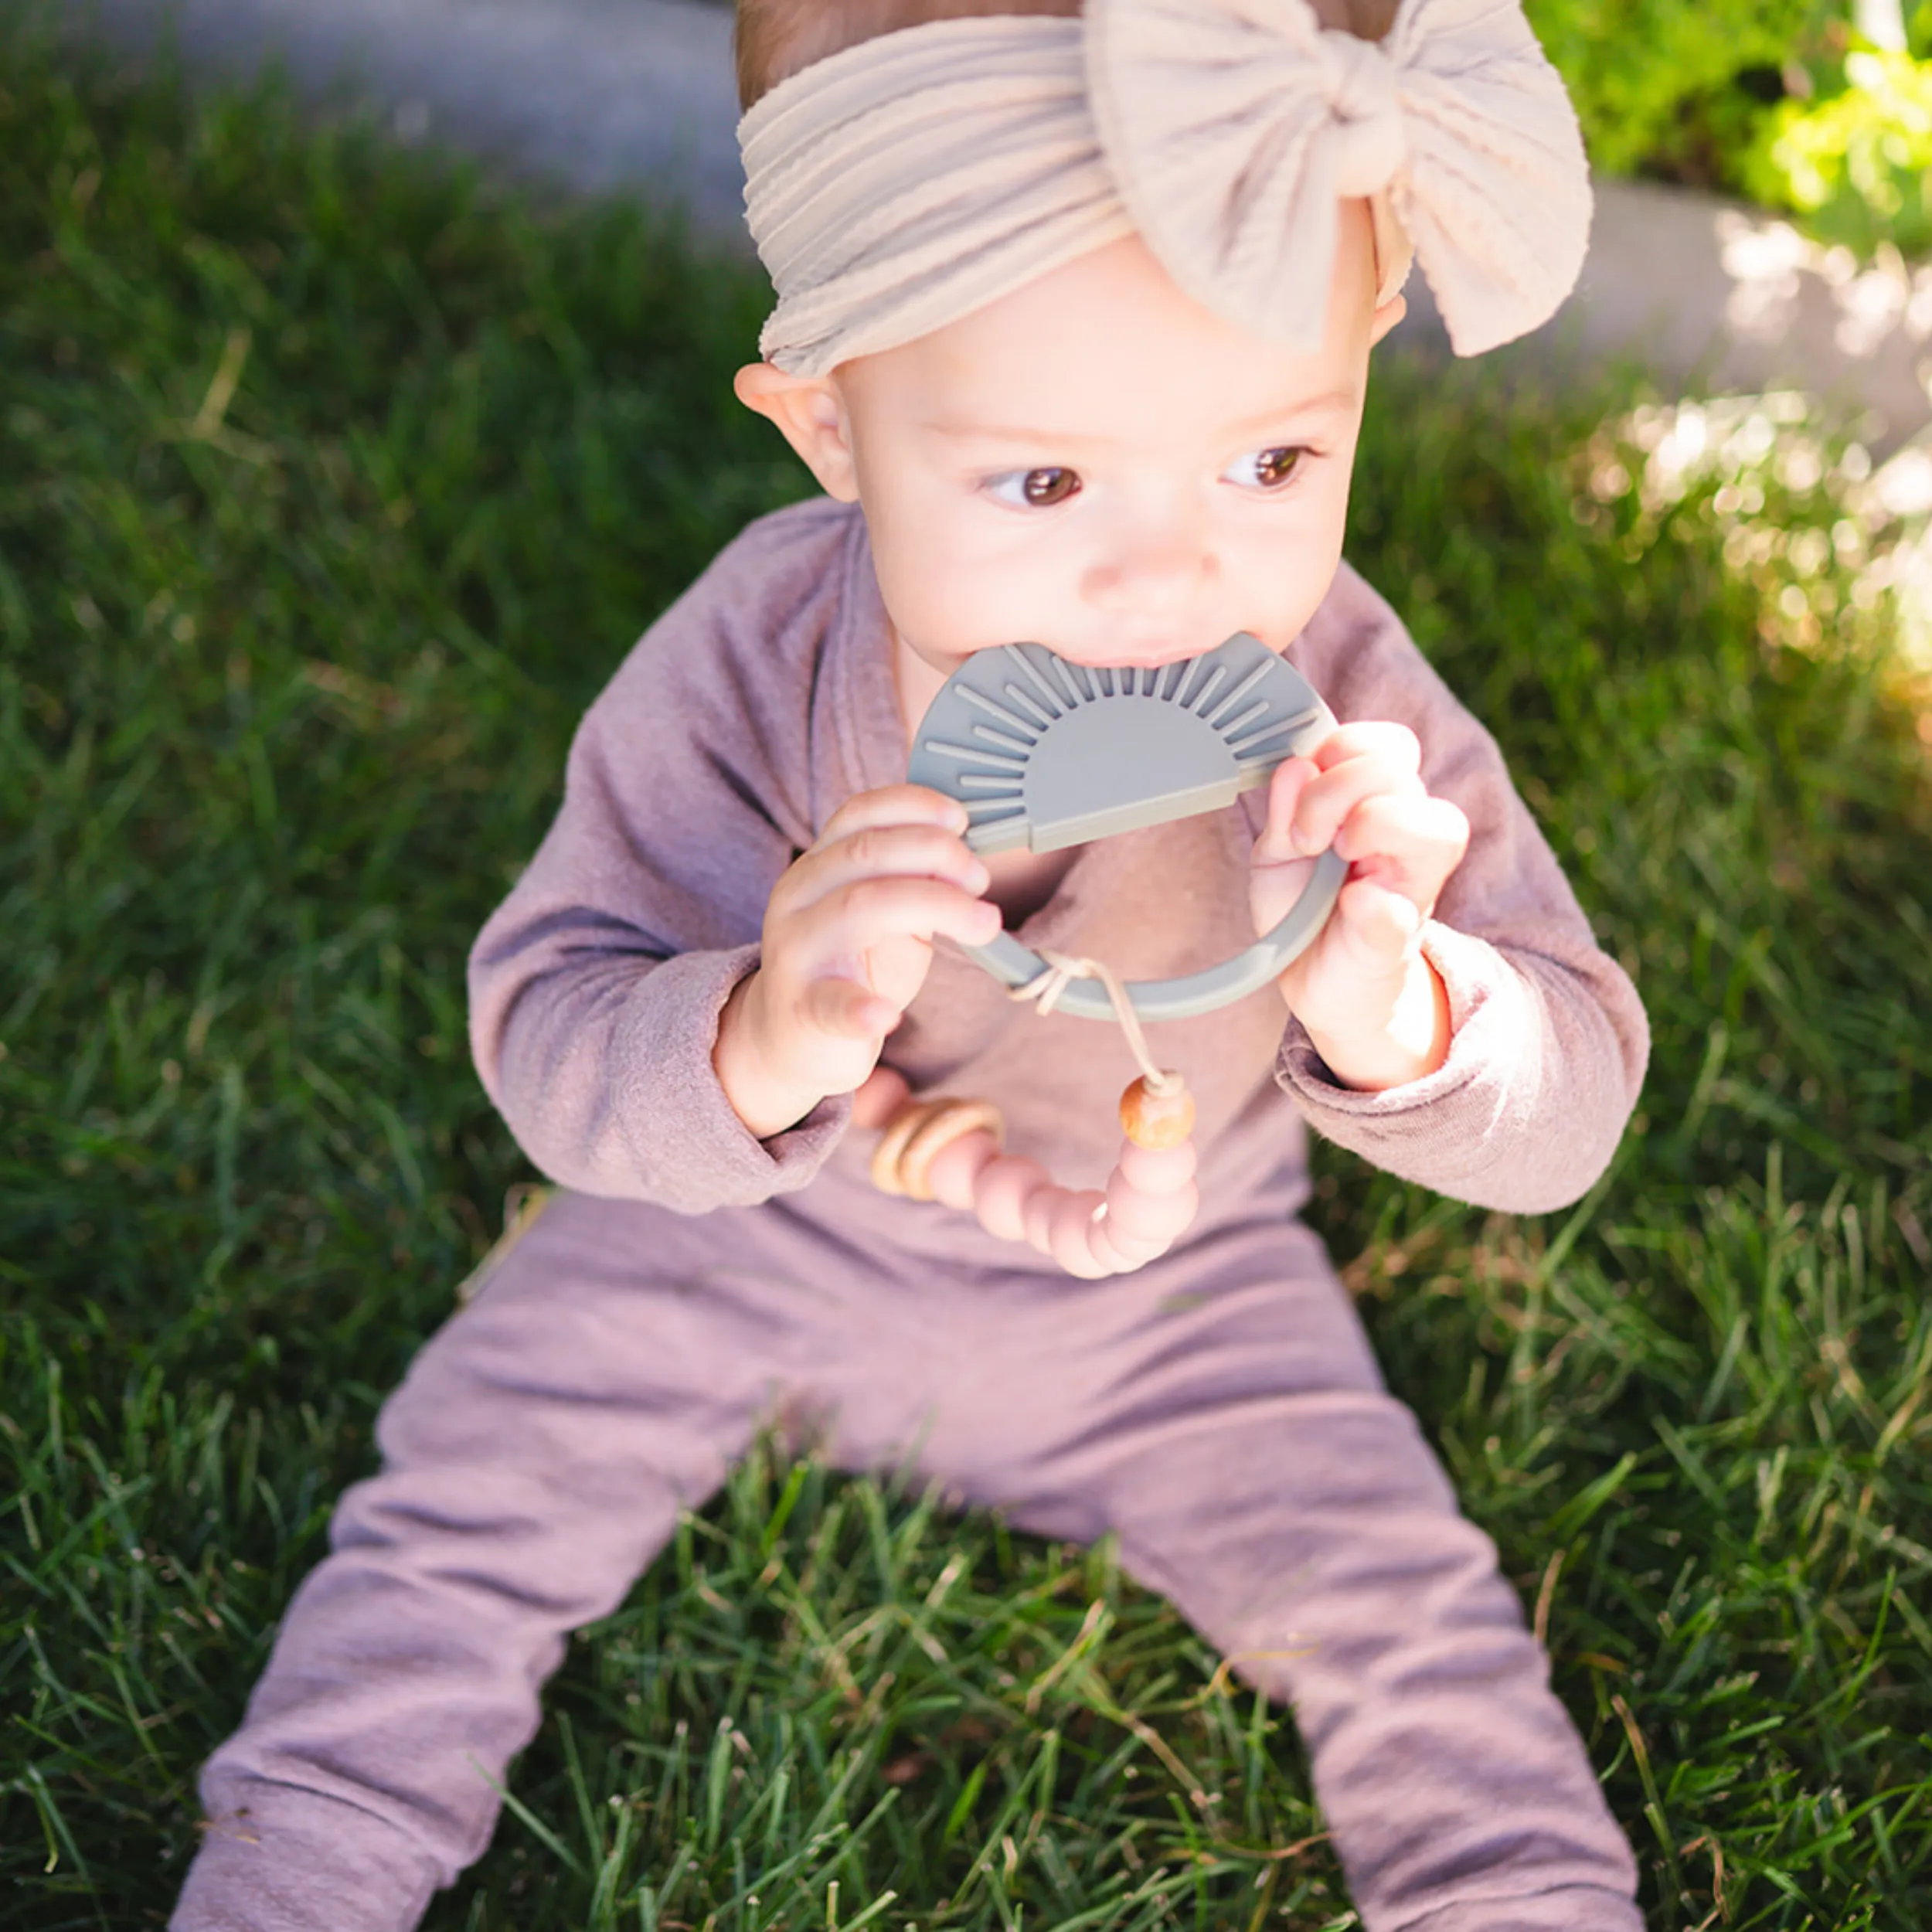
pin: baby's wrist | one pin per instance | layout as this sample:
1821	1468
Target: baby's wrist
1411	1045
765	1106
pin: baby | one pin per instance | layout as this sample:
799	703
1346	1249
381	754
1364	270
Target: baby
1074	365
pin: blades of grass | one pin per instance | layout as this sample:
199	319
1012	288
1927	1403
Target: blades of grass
528	1819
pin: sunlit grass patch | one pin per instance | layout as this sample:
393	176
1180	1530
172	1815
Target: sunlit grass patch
1789	494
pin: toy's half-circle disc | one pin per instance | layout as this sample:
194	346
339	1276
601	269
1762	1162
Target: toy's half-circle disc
1044	754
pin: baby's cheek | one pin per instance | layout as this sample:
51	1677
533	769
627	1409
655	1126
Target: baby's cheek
1288	579
926	595
973	602
954	614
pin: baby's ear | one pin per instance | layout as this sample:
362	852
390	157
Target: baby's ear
1386	315
811	418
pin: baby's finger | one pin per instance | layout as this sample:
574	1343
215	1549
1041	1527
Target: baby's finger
1410	845
1370	738
1289	780
847	924
880	852
1326	800
894	805
885	1091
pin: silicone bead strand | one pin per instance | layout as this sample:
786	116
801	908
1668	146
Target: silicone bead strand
1149	1201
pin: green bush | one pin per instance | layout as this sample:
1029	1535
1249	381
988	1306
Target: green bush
1857	165
1774	100
1656	81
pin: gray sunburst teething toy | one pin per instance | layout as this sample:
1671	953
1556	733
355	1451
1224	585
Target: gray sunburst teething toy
1045	753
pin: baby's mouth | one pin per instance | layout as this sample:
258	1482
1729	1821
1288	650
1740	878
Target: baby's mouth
1141	653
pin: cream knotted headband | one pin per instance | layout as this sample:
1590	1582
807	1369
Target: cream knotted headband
910	179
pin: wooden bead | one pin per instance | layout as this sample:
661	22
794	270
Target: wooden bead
949	1121
1156	1121
892	1144
919	1132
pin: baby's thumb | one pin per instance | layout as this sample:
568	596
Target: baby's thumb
846	1010
1380	928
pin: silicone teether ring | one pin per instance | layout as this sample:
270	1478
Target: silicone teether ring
1013	964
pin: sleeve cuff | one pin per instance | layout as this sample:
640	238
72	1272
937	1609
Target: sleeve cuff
292	1861
714	1160
1570	1908
1501	1123
1490	1013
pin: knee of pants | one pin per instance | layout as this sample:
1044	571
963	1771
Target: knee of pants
535	1458
1315	1540
602	1344
544	1441
1287	1522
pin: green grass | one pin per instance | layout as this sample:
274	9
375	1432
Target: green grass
329	494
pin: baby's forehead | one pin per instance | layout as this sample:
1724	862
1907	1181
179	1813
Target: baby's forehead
1107	343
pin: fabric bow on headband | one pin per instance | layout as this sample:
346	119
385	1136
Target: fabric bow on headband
907	181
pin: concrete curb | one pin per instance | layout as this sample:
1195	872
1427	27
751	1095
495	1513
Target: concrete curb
638	95
596	96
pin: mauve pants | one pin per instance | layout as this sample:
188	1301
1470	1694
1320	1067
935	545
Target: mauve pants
1219	1411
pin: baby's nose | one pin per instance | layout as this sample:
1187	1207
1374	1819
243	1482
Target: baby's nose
1159	567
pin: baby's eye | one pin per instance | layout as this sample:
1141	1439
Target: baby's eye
1264	469
1034	489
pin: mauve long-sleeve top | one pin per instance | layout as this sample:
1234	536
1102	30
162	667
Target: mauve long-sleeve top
1232	1432
765	697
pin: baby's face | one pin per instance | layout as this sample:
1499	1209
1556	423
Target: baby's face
1097	464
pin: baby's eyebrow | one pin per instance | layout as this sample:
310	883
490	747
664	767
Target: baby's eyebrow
994	433
1344	400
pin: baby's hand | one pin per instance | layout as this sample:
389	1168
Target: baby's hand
1372	1005
847	940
